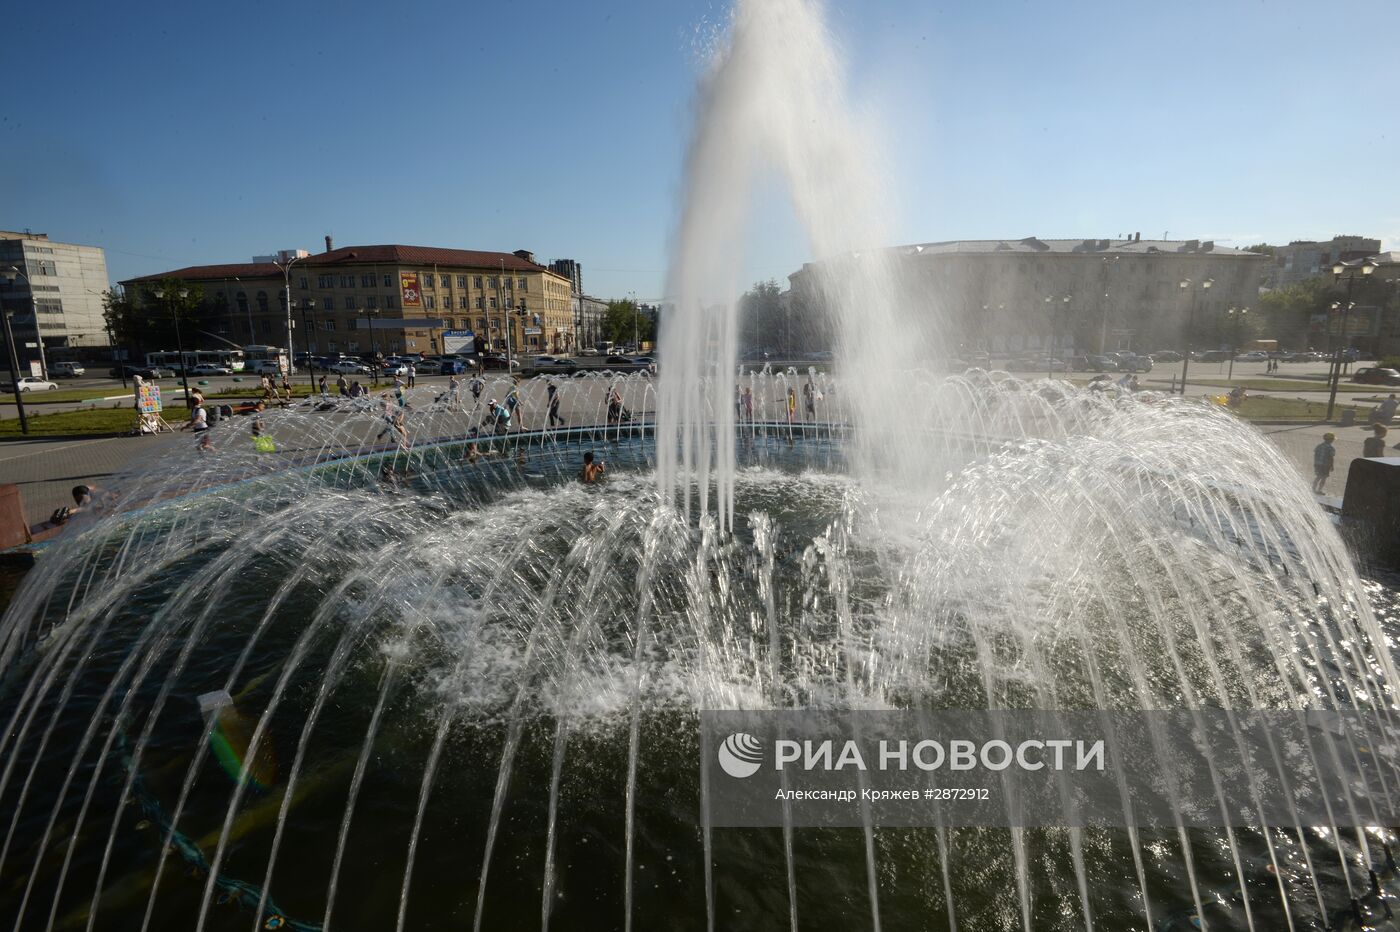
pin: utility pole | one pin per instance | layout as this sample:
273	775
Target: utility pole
180	294
14	370
285	263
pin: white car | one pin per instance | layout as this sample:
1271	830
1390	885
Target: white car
1252	356
72	369
208	369
349	367
30	383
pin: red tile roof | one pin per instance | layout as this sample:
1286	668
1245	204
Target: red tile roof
195	273
357	255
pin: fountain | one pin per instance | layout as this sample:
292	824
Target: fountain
346	678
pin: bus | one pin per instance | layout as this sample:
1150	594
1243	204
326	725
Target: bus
258	354
231	359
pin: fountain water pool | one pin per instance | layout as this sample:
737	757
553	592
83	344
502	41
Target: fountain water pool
468	693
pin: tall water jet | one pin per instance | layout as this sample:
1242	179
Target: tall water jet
774	100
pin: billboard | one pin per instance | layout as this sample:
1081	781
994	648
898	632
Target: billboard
458	341
148	398
408	285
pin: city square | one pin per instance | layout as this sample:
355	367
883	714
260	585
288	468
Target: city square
800	567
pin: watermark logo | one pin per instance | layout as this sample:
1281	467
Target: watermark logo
740	755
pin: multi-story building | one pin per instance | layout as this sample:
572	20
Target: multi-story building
590	315
386	299
1304	259
1088	295
57	288
570	269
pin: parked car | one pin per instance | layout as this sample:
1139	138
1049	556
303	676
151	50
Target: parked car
1371	375
1095	363
67	369
350	367
554	364
1253	356
1166	356
1131	362
1214	355
393	368
205	368
619	361
451	367
498	363
30	383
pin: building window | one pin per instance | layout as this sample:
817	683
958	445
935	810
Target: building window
493	304
352	324
461	281
330	325
391	302
522	284
347	281
491	282
242	303
461	302
366	281
325	281
349	302
432	302
262	302
330	304
476	281
371	301
427	279
481	323
480	303
388	281
301	283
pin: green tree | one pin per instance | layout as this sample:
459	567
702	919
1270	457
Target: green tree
624	321
146	320
1262	248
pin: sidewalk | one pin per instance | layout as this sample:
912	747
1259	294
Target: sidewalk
1298	440
47	468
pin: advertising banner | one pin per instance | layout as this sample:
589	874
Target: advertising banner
148	398
408	284
458	341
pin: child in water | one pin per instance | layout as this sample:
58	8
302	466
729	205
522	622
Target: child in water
591	471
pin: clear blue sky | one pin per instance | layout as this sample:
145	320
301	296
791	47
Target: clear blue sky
175	134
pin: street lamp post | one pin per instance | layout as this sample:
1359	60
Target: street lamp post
1191	322
1236	316
171	297
308	304
14	370
285	263
1349	271
373	346
11	273
1054	310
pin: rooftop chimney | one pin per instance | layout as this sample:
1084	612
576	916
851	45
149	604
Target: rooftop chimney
330	243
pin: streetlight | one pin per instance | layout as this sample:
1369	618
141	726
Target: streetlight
1236	316
1196	290
309	304
1053	311
171	296
11	273
14	370
285	263
1347	270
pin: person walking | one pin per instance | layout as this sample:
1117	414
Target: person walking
748	403
1324	456
342	386
477	384
1374	447
321	384
452	386
517	411
1385	411
809	398
412	375
554	418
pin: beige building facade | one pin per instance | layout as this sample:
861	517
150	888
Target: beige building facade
387	299
1063	295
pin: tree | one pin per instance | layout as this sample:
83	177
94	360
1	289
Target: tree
624	320
1263	248
148	322
762	323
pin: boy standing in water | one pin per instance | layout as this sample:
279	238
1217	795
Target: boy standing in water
592	471
1324	455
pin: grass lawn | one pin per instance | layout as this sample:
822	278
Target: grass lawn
72	394
89	421
1273	408
1286	385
